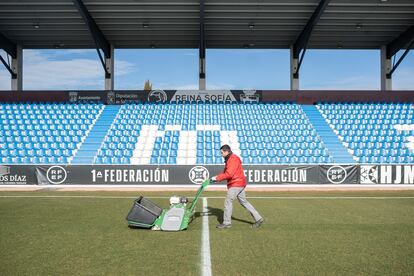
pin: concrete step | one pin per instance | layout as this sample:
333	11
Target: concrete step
335	147
90	147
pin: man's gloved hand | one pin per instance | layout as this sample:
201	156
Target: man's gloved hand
213	179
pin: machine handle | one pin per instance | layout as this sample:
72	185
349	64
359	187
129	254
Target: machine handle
199	191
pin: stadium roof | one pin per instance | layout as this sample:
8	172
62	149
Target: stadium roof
347	24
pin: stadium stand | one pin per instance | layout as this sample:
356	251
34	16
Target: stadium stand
374	133
192	133
44	133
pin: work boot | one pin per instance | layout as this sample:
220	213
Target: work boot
258	223
223	226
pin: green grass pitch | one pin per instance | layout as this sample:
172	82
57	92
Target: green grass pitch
302	235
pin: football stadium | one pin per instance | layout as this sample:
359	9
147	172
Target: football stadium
117	181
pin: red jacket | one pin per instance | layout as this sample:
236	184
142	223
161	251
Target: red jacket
233	172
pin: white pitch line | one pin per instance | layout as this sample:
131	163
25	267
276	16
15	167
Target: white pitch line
322	197
74	196
212	186
205	243
213	197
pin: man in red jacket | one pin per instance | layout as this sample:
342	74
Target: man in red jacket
236	183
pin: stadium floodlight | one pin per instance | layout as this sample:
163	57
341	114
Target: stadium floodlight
58	45
247	46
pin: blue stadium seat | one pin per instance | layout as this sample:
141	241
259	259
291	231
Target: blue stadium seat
368	130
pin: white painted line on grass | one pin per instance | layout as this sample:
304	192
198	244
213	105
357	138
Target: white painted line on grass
212	186
205	243
322	197
75	196
211	197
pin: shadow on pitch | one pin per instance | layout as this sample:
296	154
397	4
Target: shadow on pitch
218	213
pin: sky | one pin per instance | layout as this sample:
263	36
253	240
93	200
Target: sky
225	69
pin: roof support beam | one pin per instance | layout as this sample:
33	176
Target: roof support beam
294	78
100	40
17	67
8	67
400	59
302	41
405	40
386	65
400	42
8	46
109	78
202	50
